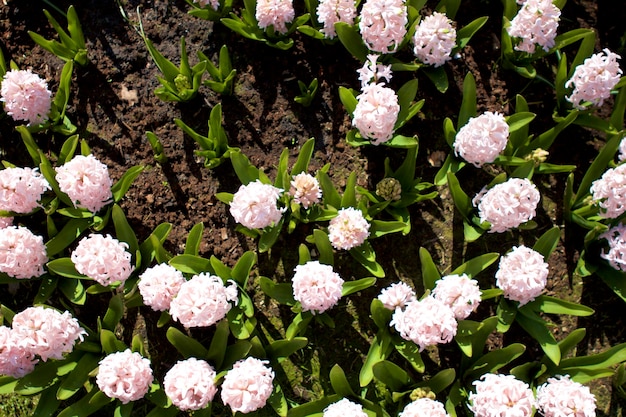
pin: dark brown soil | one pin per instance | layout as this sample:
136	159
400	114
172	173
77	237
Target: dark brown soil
113	104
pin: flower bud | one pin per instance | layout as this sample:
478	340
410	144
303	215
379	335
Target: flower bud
389	188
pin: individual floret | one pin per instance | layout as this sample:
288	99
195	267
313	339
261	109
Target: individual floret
434	39
397	295
159	285
316	286
254	205
594	79
275	13
425	322
344	408
248	385
126	376
190	384
203	301
508	205
15	360
203	3
372	72
103	259
330	12
424	407
536	23
460	293
26	96
562	397
21	189
376	113
383	24
616	255
501	395
348	229
609	192
22	253
47	333
305	190
86	182
482	139
522	274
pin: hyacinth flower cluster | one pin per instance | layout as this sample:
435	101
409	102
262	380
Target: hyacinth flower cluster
536	24
196	292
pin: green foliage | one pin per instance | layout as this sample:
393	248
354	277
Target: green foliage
72	43
222	74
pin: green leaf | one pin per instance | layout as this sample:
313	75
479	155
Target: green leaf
340	383
395	378
553	305
47	404
442	380
68	234
304	157
410	352
379	349
582	368
89	404
350	287
110	343
468	104
78	377
74	290
366	256
194	239
546	244
191	264
277	401
464	34
438	77
123	231
476	265
65	268
114	313
46	288
519	120
430	273
538	329
352	40
46	374
187	346
282	293
285	347
494	360
120	188
243	267
324	247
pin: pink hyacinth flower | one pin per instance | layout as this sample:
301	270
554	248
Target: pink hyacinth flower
22	253
15	360
203	301
434	39
103	259
522	274
344	408
46	332
305	190
21	189
190	384
616	255
383	24
594	79
126	376
562	397
425	322
203	3
159	285
424	407
397	295
376	113
371	72
482	139
536	23
25	96
501	395
330	12
316	286
275	13
460	293
609	192
254	205
86	181
348	229
508	205
248	385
